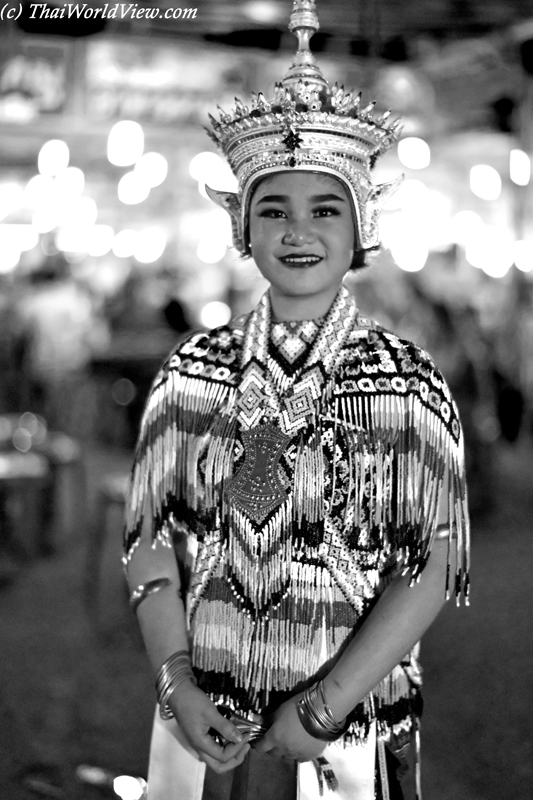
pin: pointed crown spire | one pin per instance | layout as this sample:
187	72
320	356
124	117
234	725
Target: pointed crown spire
304	24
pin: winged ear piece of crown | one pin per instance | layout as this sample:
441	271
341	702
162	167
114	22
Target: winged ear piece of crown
378	195
230	202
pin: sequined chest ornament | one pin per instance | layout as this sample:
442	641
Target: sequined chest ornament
257	489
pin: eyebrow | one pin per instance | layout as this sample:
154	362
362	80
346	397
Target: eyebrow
317	198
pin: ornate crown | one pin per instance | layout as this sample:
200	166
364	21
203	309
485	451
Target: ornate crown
306	126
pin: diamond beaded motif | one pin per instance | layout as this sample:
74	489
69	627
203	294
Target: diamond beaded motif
252	397
292	339
302	400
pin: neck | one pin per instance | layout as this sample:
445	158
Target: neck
293	309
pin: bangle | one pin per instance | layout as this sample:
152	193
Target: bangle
173	671
144	590
316	717
254	730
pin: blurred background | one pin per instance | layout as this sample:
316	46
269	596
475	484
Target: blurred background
110	251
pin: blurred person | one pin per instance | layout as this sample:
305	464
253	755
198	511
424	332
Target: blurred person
297	513
147	301
11	349
62	331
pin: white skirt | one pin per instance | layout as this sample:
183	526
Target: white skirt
176	773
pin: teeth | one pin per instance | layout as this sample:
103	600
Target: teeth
301	259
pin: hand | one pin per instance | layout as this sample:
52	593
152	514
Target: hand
287	738
196	715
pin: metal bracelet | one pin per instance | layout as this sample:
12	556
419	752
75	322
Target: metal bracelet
174	671
316	717
144	590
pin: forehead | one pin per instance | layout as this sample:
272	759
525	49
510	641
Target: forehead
299	185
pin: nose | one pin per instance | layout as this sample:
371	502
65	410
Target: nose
298	234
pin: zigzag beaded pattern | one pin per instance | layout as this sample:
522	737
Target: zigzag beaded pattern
385	364
381	363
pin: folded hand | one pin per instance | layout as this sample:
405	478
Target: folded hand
197	715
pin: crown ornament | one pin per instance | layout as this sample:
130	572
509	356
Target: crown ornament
306	125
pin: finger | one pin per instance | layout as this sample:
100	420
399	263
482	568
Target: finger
264	746
206	745
278	752
233	751
219	768
219	754
226	728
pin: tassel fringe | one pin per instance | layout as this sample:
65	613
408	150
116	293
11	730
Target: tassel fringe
366	473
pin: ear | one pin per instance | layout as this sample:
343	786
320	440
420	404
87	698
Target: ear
377	197
230	202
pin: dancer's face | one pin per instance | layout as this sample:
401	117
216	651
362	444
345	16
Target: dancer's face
302	238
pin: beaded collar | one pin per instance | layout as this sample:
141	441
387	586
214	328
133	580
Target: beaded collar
291	340
269	418
258	399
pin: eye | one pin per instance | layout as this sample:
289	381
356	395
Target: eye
272	213
326	211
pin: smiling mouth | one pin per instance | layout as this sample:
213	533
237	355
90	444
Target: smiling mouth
302	261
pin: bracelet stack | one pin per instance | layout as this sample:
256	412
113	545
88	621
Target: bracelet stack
316	717
173	671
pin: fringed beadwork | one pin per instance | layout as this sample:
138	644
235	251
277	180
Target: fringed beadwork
370	451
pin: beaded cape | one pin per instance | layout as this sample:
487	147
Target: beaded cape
370	445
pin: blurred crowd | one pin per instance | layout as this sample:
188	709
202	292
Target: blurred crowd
78	358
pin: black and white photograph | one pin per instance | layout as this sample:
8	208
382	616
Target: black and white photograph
266	400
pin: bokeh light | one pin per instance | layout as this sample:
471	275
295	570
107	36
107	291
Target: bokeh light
151	169
519	167
210	168
411	194
123	391
73	238
38	191
485	182
100	240
465	226
21	236
264	11
44	220
491	251
410	253
131	190
128	788
214	314
523	255
15	239
210	251
53	157
125	143
124	243
81	211
9	258
150	245
70	182
414	153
